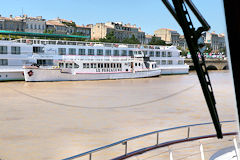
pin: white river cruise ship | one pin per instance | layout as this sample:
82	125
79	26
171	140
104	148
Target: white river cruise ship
73	68
14	54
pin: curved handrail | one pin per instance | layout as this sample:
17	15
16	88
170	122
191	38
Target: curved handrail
124	141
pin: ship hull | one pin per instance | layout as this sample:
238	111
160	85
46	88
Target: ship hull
38	75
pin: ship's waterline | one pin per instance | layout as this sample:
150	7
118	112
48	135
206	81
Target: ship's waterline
54	120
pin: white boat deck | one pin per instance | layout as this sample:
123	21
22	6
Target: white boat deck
11	69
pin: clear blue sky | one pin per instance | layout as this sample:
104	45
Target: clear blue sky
147	14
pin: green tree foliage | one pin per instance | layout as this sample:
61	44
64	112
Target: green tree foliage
110	38
132	40
156	41
73	24
184	52
48	31
223	50
208	48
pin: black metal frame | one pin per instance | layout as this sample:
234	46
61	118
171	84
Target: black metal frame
232	14
192	35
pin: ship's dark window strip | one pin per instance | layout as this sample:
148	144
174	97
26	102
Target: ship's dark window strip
3	49
108	52
3	62
90	51
15	50
62	51
72	51
81	52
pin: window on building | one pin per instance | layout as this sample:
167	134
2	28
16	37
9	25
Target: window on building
87	65
90	51
130	53
70	65
45	62
163	54
145	53
99	52
61	65
72	51
163	62
81	51
15	50
169	54
124	53
116	52
38	50
3	62
157	54
151	53
3	49
75	65
108	52
180	62
170	62
62	51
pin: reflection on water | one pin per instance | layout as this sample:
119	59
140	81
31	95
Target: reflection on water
54	120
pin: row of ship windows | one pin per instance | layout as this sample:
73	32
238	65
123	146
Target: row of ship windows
108	52
73	51
102	65
4	62
165	62
14	50
91	65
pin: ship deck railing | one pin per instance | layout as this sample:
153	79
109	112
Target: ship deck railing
151	141
92	44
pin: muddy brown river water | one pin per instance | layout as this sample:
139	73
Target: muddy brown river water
54	120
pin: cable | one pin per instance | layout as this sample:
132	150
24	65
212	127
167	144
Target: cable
117	107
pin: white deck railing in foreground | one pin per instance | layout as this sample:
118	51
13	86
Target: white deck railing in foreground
173	140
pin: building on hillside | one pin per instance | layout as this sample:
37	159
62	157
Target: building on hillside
12	24
33	24
182	42
59	26
216	41
120	30
83	30
168	35
63	26
221	41
148	38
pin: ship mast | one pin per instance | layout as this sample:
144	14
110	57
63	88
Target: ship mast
196	47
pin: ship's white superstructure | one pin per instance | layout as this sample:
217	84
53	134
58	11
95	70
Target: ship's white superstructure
21	52
74	68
